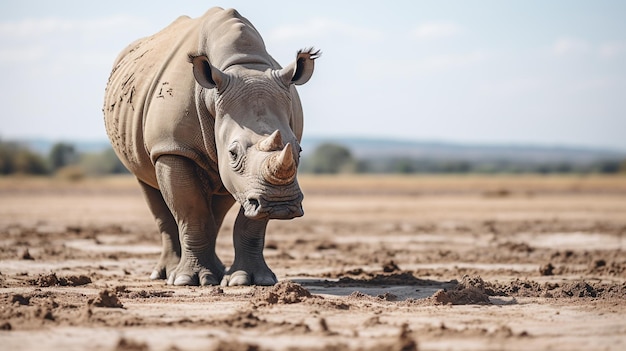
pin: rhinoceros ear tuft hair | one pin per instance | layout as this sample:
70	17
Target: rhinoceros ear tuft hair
311	52
301	70
205	74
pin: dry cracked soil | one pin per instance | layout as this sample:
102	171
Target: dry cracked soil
376	263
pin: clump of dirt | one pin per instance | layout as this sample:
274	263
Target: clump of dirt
576	289
243	320
25	255
547	269
603	267
470	291
75	280
106	298
130	345
246	319
47	280
235	345
143	294
45	308
285	292
517	247
387	296
356	295
403	342
390	267
122	291
444	331
20	299
326	245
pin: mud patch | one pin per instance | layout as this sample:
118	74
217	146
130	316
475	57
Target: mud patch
380	270
384	279
123	292
48	280
578	289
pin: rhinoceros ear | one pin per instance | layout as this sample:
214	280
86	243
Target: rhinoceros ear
301	70
206	75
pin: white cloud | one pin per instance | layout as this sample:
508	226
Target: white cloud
436	30
445	62
510	88
14	55
323	27
428	65
611	50
72	43
575	46
40	27
569	46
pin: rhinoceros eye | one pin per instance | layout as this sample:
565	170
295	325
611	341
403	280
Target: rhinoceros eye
235	154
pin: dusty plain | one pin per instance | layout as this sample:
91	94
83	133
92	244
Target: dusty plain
376	263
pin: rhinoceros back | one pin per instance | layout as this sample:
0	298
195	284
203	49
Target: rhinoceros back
149	105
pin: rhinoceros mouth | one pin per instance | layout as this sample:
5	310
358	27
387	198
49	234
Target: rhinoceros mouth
258	207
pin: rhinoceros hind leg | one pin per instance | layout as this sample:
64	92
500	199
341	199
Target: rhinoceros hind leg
249	267
170	251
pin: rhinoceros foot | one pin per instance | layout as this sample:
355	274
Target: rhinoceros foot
241	277
191	271
165	266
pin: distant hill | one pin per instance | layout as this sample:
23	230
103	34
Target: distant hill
43	146
364	148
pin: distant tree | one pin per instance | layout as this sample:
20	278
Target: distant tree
28	162
403	166
62	155
101	163
16	158
6	158
332	158
607	166
455	166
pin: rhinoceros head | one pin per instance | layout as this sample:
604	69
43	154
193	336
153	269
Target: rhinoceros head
257	150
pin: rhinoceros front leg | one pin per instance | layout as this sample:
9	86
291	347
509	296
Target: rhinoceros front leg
249	267
191	206
170	251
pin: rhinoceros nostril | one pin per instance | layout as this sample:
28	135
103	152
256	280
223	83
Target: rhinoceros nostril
254	203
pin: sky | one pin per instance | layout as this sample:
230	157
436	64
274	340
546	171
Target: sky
551	73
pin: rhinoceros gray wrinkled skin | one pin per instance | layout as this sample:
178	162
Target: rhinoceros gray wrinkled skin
204	117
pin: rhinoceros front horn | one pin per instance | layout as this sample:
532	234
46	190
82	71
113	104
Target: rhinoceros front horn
280	167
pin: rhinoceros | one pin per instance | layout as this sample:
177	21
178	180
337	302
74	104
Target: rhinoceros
204	117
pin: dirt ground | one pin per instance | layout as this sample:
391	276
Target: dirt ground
376	263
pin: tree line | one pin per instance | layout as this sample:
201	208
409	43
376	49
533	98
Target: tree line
66	161
330	158
63	159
